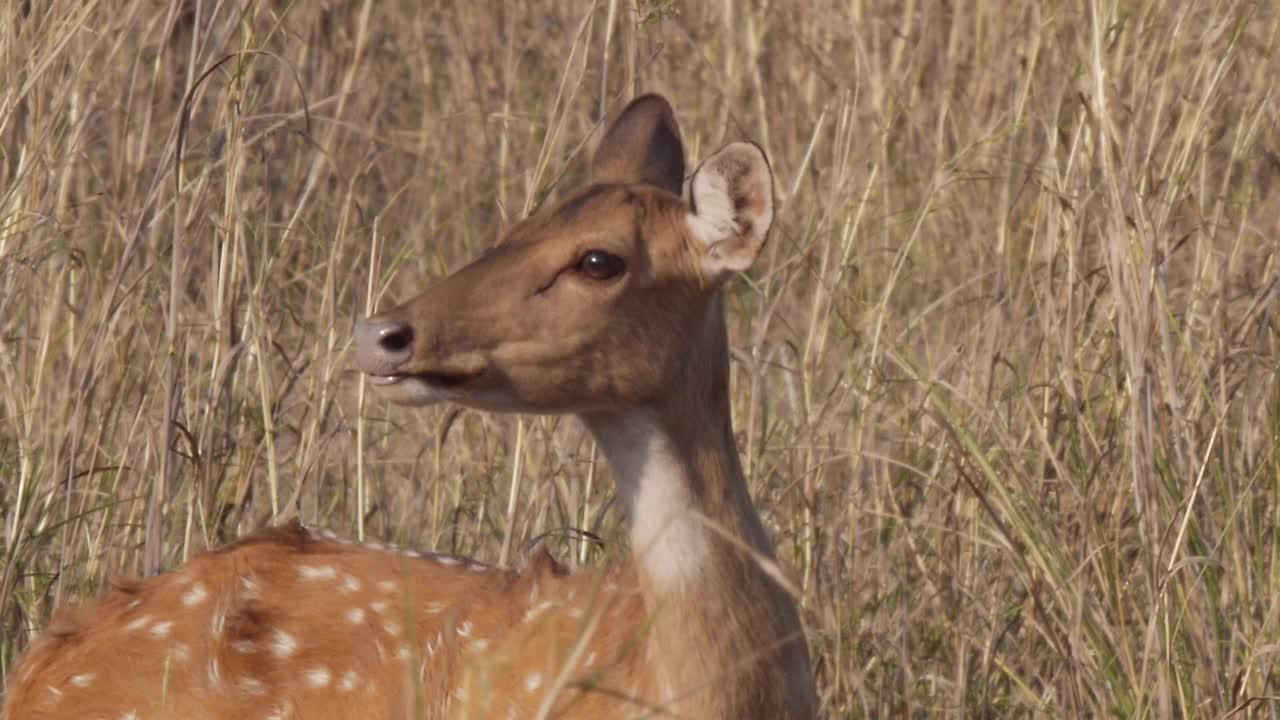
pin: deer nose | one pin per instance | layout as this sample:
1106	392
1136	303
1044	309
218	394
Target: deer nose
382	346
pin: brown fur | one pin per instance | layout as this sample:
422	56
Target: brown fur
278	623
231	633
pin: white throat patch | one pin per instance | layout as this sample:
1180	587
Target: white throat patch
668	537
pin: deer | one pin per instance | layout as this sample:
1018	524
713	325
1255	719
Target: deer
606	305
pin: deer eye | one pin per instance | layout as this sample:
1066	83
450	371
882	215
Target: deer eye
600	265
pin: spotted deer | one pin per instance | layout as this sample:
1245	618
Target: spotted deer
606	305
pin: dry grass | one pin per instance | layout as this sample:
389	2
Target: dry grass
1006	381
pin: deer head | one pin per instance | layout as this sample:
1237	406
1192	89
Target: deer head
598	303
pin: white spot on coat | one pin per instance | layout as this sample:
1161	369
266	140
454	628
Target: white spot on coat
82	680
215	672
249	586
318	677
349	585
538	609
348	681
322	572
283	644
161	629
218	621
138	623
355	616
195	595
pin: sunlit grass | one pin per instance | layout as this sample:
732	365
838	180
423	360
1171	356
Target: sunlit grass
1005	383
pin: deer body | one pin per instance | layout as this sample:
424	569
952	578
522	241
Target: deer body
606	306
291	623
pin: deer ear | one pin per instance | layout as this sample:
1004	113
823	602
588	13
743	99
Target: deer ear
642	146
732	199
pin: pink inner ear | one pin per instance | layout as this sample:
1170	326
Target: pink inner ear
732	194
732	201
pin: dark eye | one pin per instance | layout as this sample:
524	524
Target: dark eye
600	265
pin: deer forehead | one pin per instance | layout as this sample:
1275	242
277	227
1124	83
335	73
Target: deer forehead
612	215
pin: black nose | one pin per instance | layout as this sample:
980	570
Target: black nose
382	346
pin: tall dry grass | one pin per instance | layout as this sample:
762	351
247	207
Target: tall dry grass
1006	381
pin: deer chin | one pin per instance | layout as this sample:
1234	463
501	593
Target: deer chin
420	389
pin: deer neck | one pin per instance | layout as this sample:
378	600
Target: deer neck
725	637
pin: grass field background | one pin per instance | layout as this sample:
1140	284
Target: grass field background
1005	380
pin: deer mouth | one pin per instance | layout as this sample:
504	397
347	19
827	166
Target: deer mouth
424	388
439	379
